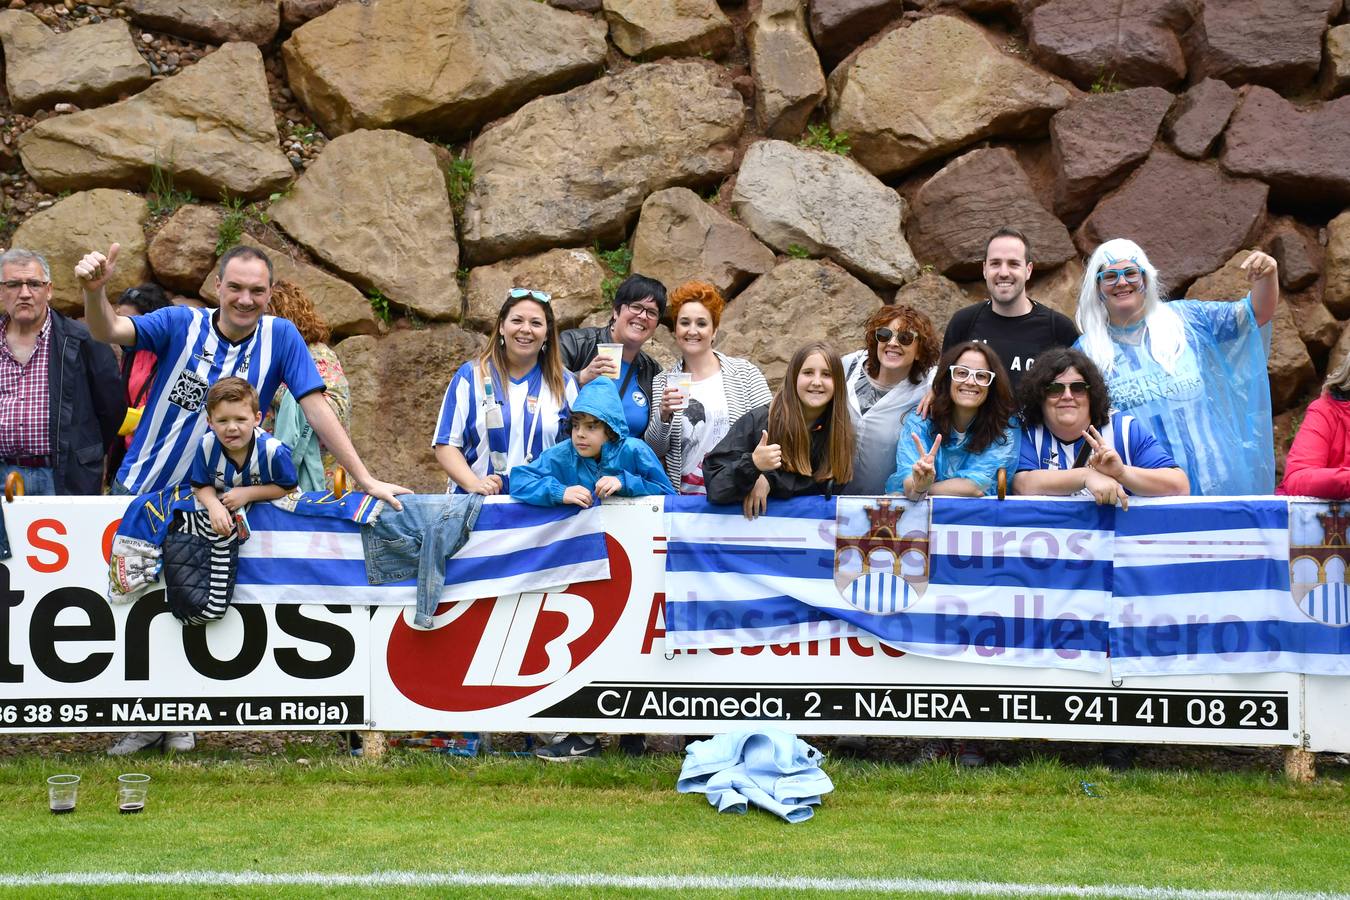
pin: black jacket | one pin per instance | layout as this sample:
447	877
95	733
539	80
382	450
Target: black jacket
87	405
579	348
729	471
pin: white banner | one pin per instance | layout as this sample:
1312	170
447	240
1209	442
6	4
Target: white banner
585	657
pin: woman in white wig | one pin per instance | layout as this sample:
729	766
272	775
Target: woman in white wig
1194	371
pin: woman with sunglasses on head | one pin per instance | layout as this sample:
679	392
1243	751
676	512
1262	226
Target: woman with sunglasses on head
639	305
1194	372
968	435
800	443
702	395
1074	443
885	381
509	405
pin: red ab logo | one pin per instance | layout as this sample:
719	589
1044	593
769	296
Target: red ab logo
484	653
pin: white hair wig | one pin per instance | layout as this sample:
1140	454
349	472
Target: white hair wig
1164	328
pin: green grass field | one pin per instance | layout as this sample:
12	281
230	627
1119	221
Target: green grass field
1027	824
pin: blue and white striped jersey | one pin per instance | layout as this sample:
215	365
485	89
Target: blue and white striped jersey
529	406
193	355
267	461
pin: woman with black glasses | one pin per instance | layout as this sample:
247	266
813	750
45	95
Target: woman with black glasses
886	380
969	433
509	405
1073	443
1193	371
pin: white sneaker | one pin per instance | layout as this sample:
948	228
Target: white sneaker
179	741
136	741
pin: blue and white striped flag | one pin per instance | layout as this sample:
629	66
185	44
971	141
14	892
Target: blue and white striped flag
1204	588
731	582
1018	584
514	548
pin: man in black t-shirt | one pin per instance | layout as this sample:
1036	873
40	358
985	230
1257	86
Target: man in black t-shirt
1017	327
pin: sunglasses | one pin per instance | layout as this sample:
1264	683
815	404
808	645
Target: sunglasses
1131	275
522	293
982	377
1060	388
905	338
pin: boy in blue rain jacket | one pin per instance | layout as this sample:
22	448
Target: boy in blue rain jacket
601	460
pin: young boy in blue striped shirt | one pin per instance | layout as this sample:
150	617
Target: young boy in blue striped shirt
237	457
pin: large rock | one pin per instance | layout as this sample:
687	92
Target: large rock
1199	117
1091	153
575	168
929	89
801	300
397	384
1245	41
680	238
462	64
216	22
183	251
1188	216
974	195
1058	289
575	278
840	26
789	84
1336	292
1290	366
1336	65
934	296
1317	327
374	207
89	220
344	309
88	66
1303	154
211	127
1111	42
827	205
1298	254
647	29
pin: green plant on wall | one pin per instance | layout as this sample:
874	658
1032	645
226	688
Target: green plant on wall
820	137
617	262
163	198
458	182
797	251
379	304
231	229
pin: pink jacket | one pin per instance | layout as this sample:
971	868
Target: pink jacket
1318	464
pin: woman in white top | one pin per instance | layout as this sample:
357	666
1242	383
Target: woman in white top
509	405
885	381
717	389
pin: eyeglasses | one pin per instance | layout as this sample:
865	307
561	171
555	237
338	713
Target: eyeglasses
522	293
905	338
982	377
32	283
649	312
1060	388
1131	274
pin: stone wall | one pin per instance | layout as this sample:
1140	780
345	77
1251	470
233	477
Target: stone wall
409	159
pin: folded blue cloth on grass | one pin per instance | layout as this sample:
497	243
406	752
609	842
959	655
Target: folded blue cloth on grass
770	768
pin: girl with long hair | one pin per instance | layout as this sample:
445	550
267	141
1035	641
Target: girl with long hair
509	405
1194	372
969	433
800	443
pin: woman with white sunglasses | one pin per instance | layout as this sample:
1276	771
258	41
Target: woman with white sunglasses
969	433
509	405
1194	372
885	380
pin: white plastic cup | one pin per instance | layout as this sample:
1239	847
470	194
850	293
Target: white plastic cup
612	352
685	382
131	791
62	792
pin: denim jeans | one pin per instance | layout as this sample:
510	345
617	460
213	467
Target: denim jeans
36	482
417	541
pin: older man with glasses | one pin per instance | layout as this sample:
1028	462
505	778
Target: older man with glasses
61	400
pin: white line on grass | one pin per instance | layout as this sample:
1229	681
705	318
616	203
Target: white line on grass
648	882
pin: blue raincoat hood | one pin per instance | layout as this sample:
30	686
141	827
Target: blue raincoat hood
600	398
